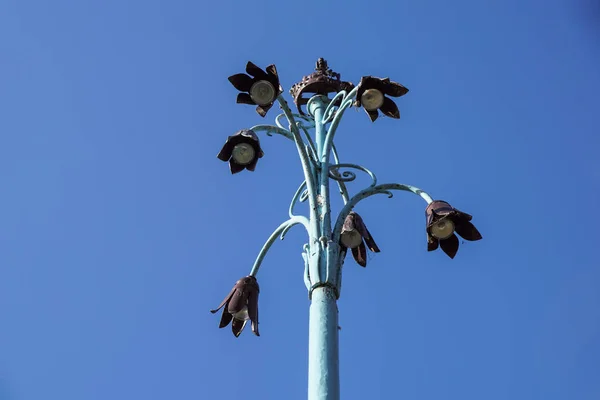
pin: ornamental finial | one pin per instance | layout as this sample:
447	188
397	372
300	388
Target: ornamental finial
323	81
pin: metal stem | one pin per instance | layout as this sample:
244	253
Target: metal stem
323	346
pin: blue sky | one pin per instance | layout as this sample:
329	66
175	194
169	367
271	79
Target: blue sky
120	229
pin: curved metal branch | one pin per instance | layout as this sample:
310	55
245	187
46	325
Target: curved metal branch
281	230
282	130
309	176
341	184
270	129
329	111
349	176
370	191
310	143
346	102
300	196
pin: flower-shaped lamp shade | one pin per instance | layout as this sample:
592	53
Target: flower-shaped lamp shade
259	87
354	235
242	150
241	306
442	222
372	96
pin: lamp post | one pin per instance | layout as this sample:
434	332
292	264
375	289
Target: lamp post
328	239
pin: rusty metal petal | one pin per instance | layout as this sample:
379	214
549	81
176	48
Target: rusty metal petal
272	70
224	302
463	215
274	78
372	114
244	98
226	318
241	82
237	327
234	167
349	222
364	232
238	300
394	89
450	245
262	110
358	223
225	153
255	71
467	231
371	242
252	165
360	254
369	82
432	243
390	108
253	310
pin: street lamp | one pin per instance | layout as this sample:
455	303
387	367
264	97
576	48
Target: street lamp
327	244
354	235
242	150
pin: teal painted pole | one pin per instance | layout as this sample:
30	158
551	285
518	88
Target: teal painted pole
323	343
323	346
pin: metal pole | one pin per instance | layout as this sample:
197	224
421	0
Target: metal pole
323	345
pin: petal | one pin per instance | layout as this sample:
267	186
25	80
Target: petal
238	300
364	232
262	110
253	310
372	114
450	245
358	223
360	254
255	71
241	82
225	319
234	167
467	231
390	108
252	165
224	302
349	222
258	154
432	243
369	82
272	70
274	78
244	98
463	215
237	327
225	153
371	243
395	89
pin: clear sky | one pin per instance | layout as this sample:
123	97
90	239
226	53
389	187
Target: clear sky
120	229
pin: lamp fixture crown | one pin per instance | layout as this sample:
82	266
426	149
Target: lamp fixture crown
323	81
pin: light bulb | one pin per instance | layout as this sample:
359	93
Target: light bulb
243	153
442	229
371	99
262	93
351	239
